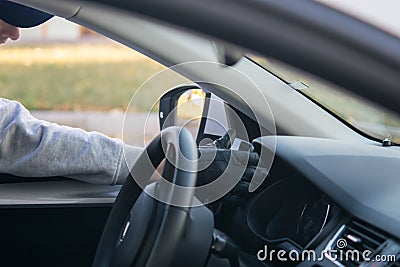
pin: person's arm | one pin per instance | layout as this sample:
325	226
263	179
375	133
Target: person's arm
34	148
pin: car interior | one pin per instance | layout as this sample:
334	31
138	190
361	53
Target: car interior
326	179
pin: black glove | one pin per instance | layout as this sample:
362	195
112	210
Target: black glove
213	162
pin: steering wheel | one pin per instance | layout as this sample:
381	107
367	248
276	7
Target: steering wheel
143	231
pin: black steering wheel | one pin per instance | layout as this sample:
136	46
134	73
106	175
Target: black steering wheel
144	231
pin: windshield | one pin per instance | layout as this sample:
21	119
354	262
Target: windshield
359	113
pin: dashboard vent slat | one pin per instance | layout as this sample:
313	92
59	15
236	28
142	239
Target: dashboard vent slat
365	238
371	229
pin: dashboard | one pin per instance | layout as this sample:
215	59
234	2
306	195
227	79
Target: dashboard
290	212
325	196
361	178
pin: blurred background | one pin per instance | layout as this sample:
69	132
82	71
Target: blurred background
70	75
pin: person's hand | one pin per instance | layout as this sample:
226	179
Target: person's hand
213	162
8	31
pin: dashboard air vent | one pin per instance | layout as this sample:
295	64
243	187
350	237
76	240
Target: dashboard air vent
356	236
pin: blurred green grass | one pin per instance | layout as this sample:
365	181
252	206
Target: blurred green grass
75	77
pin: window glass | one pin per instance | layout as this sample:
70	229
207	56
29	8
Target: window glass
363	115
78	78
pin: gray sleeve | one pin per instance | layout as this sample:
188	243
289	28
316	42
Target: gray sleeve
34	148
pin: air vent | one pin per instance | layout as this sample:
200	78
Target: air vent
356	236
